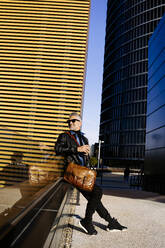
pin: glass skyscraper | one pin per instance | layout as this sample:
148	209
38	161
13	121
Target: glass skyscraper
154	166
129	26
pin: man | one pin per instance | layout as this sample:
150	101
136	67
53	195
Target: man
73	145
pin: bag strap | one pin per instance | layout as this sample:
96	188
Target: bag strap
72	136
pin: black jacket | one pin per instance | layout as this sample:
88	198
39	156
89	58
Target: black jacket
67	147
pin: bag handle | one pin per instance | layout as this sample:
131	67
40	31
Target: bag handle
72	136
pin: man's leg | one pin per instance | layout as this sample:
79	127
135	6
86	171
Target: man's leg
95	204
113	224
103	212
93	199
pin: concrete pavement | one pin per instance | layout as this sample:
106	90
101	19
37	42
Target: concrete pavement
142	212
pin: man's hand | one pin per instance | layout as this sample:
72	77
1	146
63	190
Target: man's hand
85	149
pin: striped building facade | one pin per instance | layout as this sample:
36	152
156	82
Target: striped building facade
43	48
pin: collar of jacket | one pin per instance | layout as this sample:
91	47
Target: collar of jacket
74	132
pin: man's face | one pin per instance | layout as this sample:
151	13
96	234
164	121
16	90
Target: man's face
74	123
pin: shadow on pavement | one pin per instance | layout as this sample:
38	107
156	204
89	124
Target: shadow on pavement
135	194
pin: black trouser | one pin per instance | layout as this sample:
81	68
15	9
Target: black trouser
95	204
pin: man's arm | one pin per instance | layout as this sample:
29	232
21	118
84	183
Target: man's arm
62	147
85	149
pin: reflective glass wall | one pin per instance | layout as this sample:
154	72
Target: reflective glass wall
129	26
155	130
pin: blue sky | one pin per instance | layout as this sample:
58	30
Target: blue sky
94	70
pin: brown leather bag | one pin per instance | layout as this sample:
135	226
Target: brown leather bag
80	176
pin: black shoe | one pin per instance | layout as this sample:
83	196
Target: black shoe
114	225
87	227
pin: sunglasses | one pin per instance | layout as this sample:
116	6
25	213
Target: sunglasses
73	121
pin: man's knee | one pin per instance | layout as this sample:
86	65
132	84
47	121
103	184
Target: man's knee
98	192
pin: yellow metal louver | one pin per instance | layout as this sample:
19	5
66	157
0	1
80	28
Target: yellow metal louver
43	46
